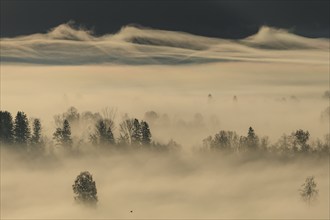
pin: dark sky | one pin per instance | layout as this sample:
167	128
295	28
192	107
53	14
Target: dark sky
227	19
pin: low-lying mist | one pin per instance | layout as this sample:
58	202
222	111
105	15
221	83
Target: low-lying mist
159	185
272	98
191	89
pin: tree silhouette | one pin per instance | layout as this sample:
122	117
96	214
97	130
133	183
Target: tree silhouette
36	142
6	128
308	190
136	133
21	129
300	140
146	134
221	141
63	135
103	135
36	135
85	189
252	140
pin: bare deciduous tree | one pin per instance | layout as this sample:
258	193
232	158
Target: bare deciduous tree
109	115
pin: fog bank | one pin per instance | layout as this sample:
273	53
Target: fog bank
166	186
273	99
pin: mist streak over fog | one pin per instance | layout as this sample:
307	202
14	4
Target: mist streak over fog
278	79
66	45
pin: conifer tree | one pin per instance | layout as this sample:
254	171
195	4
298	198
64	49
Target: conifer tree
6	128
36	141
145	133
252	140
103	134
63	135
21	129
36	135
136	133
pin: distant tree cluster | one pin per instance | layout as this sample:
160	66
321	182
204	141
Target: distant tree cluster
133	134
297	142
17	132
99	128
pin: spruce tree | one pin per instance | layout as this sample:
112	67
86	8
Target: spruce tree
67	134
6	128
101	131
21	129
136	133
104	134
36	142
36	135
145	133
252	139
63	135
109	136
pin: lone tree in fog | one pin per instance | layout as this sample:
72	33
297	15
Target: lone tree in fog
63	135
6	128
308	190
21	129
85	189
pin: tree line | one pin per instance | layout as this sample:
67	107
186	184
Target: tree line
17	132
295	143
135	134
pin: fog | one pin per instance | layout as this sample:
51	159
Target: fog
273	81
166	186
272	98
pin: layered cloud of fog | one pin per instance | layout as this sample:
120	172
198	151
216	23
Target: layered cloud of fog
66	45
164	186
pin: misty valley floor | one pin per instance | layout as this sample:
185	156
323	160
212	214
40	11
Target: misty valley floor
157	185
278	81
